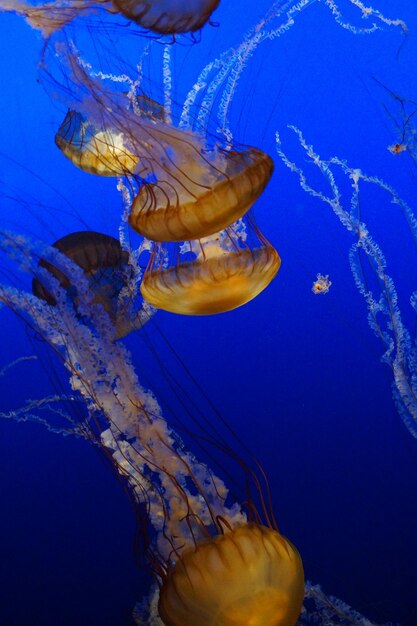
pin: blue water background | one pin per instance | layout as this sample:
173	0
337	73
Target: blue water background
298	376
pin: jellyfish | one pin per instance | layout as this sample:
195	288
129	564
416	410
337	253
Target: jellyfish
186	189
165	17
94	151
189	184
168	17
403	118
109	270
197	526
185	192
321	285
206	586
210	194
217	561
101	151
172	17
224	273
379	290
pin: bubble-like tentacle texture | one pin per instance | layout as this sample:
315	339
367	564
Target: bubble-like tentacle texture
108	271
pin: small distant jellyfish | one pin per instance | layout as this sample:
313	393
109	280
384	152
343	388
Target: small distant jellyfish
321	285
397	148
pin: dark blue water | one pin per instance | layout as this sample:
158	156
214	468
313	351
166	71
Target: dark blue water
298	376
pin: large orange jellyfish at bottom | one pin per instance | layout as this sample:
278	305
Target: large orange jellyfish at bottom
250	576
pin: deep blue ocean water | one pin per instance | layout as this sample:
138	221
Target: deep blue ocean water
298	376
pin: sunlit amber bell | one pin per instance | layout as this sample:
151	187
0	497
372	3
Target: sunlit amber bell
251	576
102	155
214	285
161	214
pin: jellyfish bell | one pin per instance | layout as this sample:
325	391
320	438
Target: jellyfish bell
203	197
194	193
212	286
249	576
101	149
100	256
188	185
105	265
96	151
225	274
168	17
164	17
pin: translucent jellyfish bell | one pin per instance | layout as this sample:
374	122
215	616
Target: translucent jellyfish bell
209	196
192	197
224	274
105	265
250	575
101	152
168	17
189	186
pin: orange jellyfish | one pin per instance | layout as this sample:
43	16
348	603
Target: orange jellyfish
224	274
185	190
251	575
187	185
321	285
166	17
99	152
205	195
107	269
